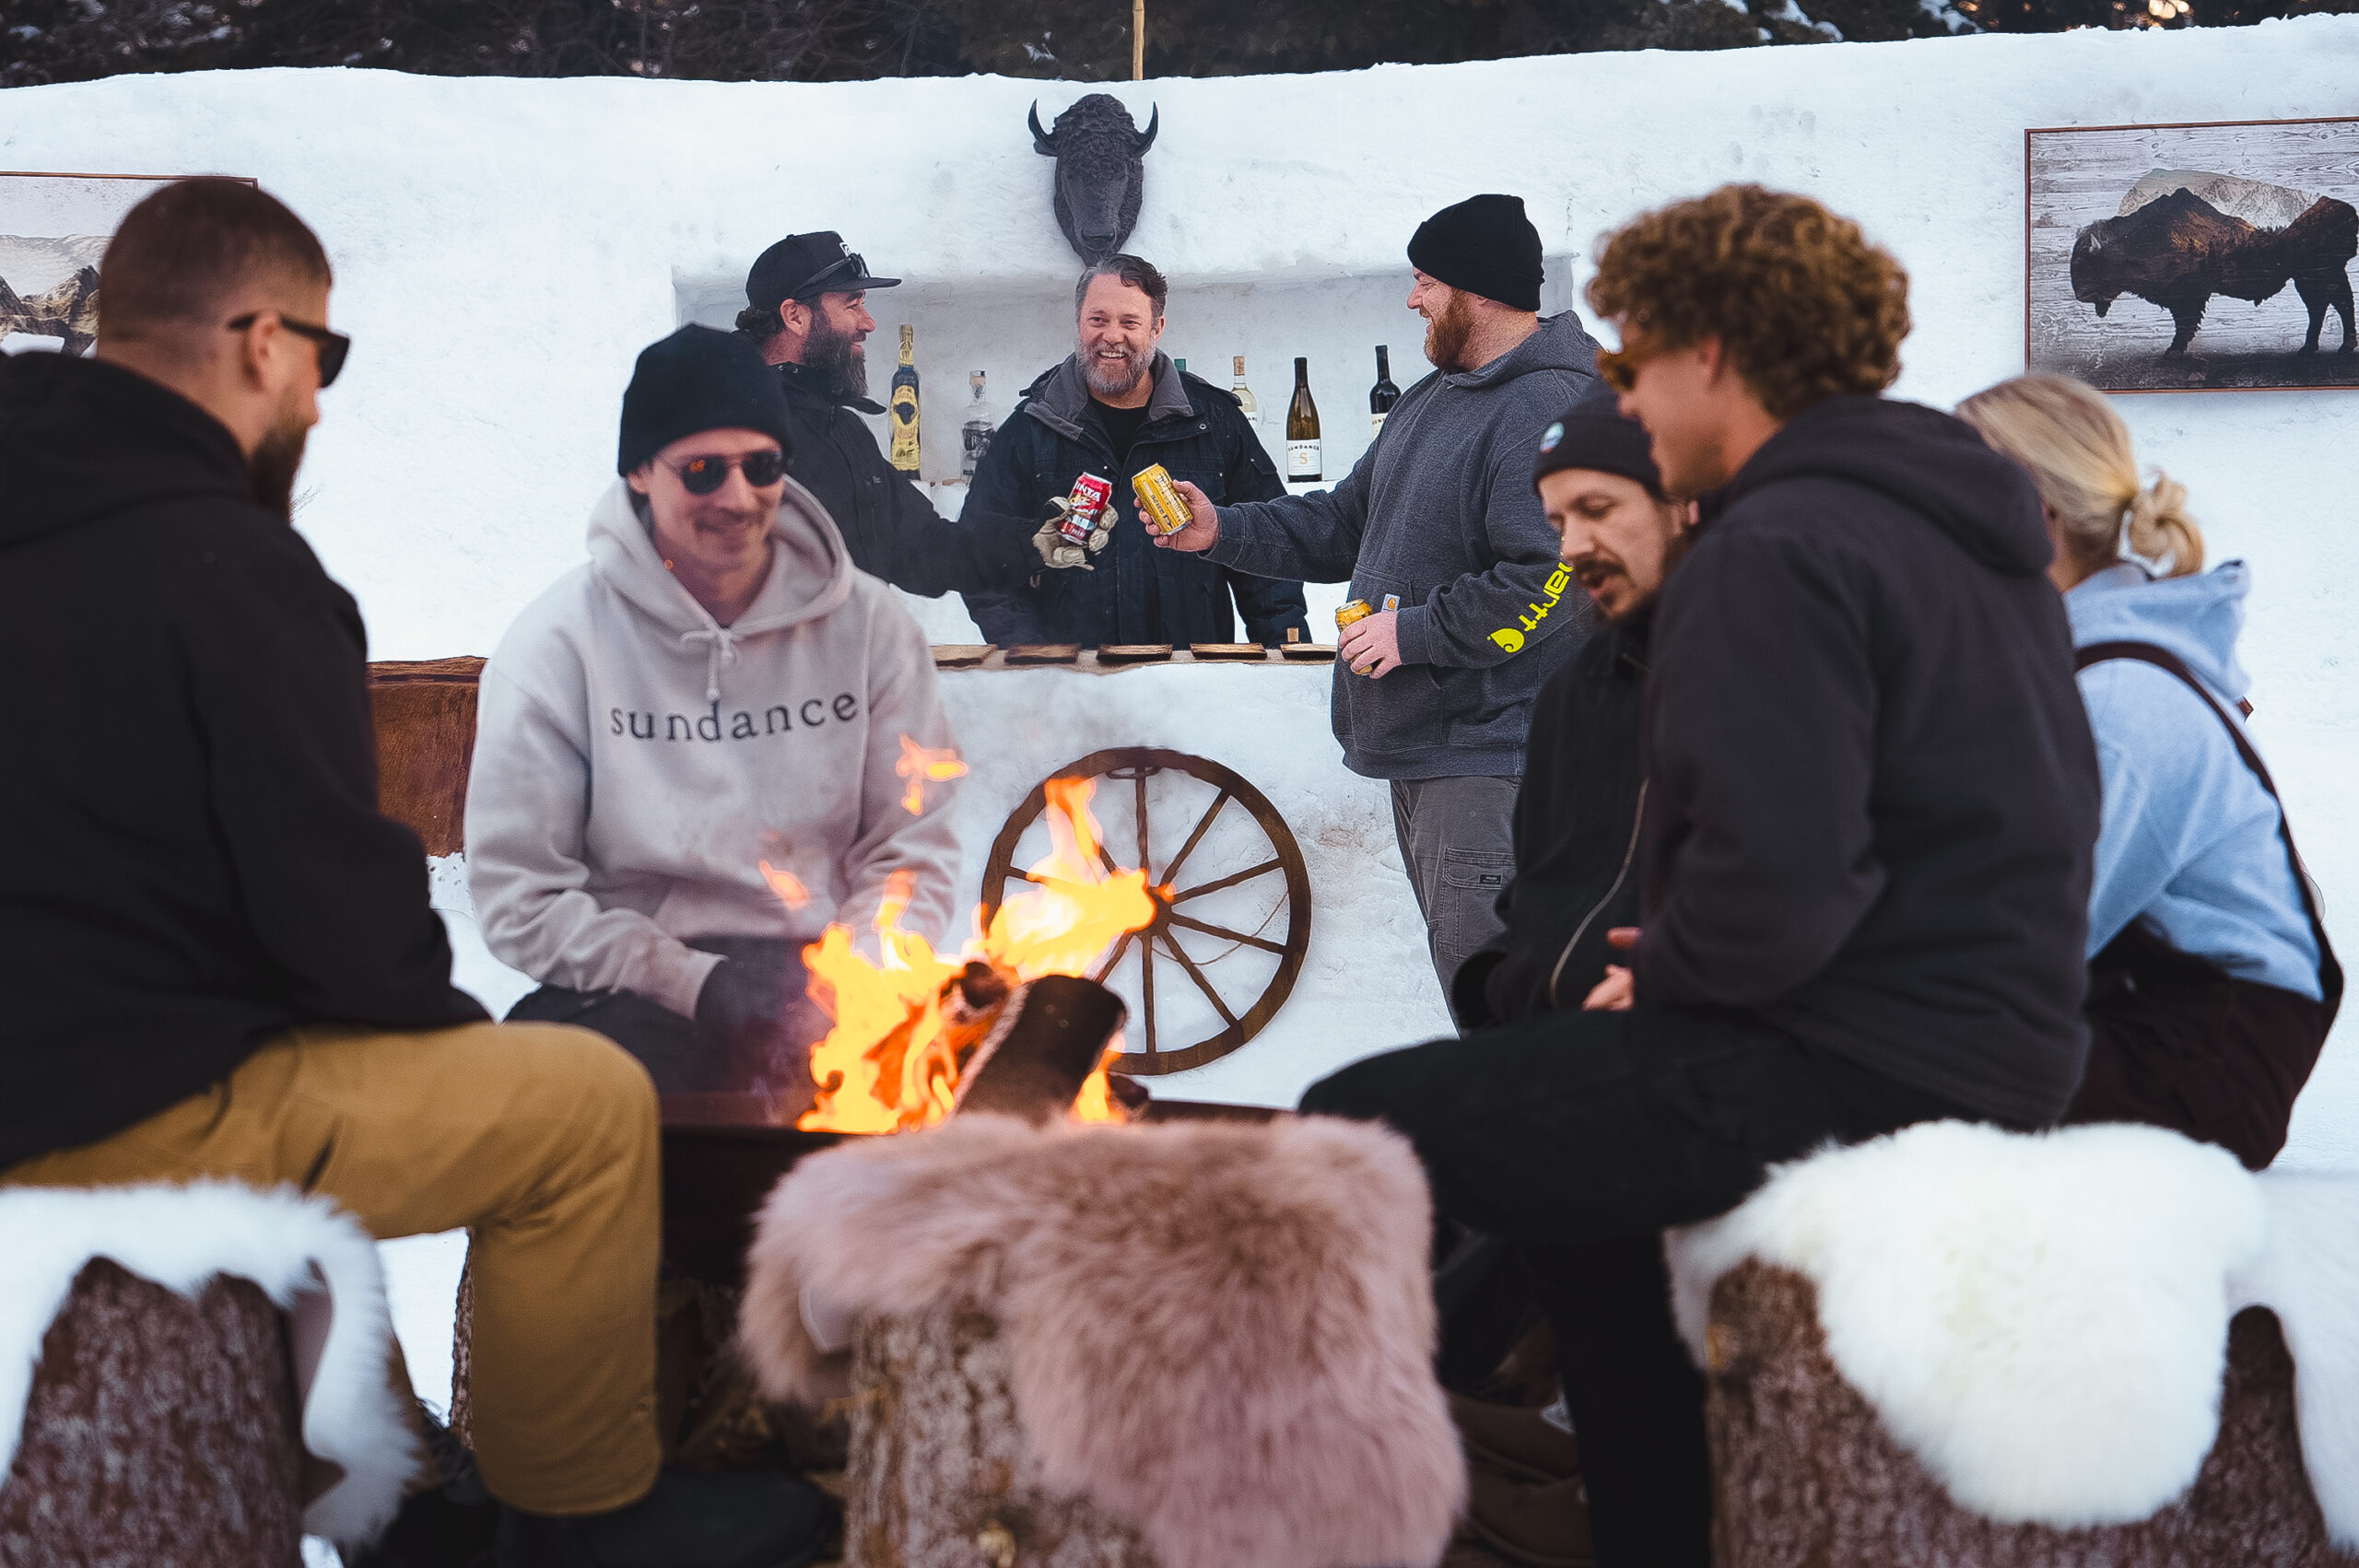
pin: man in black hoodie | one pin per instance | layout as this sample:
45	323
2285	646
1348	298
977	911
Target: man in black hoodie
218	959
806	310
1872	797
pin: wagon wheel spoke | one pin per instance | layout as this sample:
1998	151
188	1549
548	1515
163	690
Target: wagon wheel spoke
1194	839
1146	989
1202	984
1142	861
1231	880
1248	938
1113	958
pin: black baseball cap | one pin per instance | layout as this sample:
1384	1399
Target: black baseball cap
803	266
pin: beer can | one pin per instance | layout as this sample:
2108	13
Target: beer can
1161	507
1357	609
1088	499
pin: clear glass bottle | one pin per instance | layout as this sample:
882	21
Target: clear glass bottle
1245	394
975	433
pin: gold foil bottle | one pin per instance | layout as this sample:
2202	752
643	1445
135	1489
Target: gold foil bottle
904	406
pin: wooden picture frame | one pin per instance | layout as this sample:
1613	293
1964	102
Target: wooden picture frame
2145	245
53	229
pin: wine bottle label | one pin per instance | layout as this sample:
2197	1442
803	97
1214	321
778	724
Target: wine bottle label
977	439
904	454
1375	425
1302	460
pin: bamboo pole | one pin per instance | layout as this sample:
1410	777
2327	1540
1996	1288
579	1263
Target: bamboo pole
1138	41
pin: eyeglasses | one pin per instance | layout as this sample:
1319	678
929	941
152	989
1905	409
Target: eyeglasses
334	346
703	476
816	284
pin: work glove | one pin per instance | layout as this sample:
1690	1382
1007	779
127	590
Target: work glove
1058	553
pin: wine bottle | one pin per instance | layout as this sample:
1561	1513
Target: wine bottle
1383	395
904	405
1302	431
975	435
1252	410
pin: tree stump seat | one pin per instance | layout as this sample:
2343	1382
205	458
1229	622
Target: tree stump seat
938	1470
158	1430
1805	1476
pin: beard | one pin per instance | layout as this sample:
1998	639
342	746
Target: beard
837	355
274	464
1118	380
1447	334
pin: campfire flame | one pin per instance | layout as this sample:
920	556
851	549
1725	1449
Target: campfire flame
892	1060
921	764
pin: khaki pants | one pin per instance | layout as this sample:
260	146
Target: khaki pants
540	1140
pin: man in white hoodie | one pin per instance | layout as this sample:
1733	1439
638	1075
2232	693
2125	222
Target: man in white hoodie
700	749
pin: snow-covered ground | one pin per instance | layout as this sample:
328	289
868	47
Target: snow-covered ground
504	248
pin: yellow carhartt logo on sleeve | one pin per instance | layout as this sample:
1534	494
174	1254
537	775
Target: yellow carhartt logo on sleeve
1510	638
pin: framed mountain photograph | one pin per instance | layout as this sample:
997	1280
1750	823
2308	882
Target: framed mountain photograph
54	229
2193	258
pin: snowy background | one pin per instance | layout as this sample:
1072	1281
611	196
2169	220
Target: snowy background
504	250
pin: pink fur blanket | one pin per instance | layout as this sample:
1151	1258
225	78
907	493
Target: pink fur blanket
1222	1333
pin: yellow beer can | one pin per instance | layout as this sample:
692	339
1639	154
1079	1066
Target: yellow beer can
1357	609
1161	507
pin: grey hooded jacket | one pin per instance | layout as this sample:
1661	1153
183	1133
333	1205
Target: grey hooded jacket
1441	514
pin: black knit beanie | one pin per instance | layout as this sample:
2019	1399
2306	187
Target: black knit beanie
699	379
1601	442
1484	245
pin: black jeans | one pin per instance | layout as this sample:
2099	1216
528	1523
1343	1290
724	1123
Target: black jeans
669	1047
1581	1136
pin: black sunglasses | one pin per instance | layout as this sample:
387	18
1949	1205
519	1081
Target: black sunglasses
816	284
703	476
334	346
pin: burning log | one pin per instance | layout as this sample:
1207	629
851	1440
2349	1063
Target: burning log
1048	1040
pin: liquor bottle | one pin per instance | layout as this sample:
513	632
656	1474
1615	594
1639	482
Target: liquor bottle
975	435
1302	431
1383	395
904	405
1245	394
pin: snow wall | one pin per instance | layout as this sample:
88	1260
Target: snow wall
503	249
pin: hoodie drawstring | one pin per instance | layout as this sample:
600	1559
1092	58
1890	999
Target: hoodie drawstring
722	649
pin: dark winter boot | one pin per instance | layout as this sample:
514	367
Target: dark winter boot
450	1526
692	1519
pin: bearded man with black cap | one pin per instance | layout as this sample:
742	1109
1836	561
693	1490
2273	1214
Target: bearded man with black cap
694	754
1437	528
805	309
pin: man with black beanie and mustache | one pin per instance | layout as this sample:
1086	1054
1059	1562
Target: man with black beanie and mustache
1437	529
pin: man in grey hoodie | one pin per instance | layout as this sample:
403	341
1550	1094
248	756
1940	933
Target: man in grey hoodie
705	746
1438	530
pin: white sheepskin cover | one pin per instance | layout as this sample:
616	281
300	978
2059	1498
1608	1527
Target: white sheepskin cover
2042	1318
181	1237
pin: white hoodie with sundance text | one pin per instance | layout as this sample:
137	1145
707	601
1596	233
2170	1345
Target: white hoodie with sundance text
637	765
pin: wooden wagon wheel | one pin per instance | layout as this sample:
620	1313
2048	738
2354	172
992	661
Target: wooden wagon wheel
1279	869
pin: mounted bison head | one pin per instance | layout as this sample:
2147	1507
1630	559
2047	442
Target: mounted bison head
1101	170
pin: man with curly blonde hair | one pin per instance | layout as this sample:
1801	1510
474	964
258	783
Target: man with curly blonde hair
1864	853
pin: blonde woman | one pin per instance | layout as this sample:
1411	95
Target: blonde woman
2212	984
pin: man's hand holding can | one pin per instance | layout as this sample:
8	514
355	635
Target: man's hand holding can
1204	527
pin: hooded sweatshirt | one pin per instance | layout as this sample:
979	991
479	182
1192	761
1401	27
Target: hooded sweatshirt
2190	845
644	774
195	862
1439	519
1871	794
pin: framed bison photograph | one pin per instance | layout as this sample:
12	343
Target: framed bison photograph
2194	257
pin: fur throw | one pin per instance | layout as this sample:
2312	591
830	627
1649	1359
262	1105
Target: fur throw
1220	1333
312	1261
2042	1320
